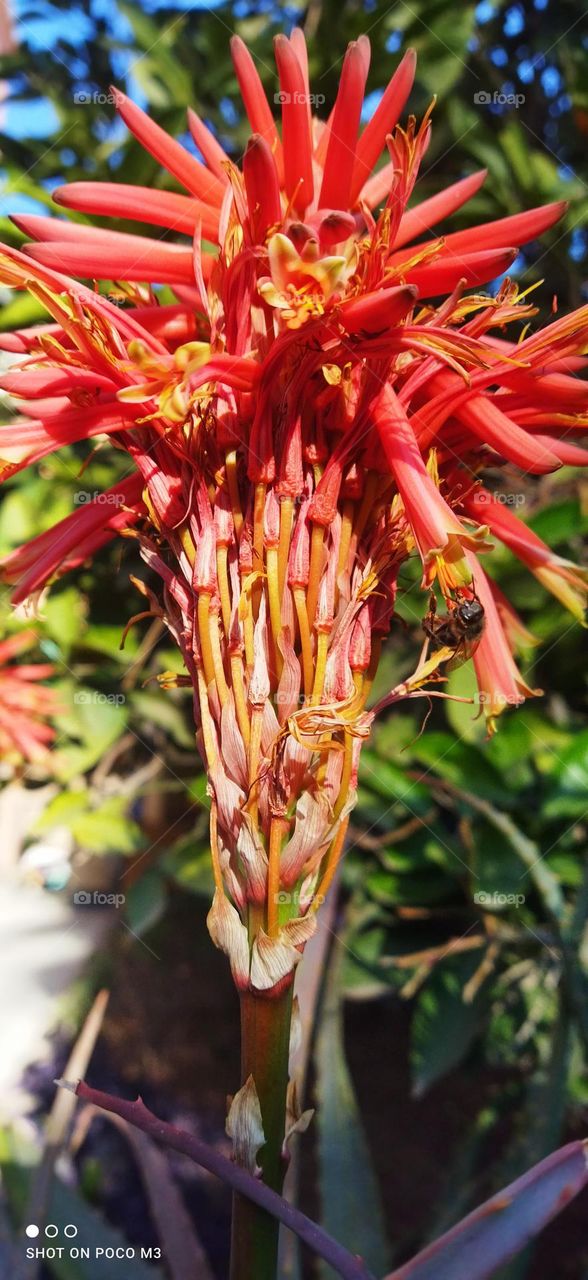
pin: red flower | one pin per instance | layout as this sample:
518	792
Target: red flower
307	414
25	705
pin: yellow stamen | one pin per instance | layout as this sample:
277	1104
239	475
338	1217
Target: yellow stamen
205	717
321	663
286	517
305	638
258	513
187	544
254	756
346	531
273	591
372	670
217	657
204	633
333	858
216	867
239	696
233	483
223	587
248	637
345	775
316	568
277	829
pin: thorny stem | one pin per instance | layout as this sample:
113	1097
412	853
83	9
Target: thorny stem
265	1041
137	1114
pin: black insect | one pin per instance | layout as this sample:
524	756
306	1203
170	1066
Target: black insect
460	629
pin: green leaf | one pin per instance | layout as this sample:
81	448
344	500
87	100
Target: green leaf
444	1027
461	763
107	829
392	783
64	617
362	977
497	867
569	783
350	1198
161	709
96	720
394	890
560	521
61	811
145	902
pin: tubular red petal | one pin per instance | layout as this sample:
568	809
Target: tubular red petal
60	231
298	42
262	186
493	236
473	268
63	245
374	312
517	229
377	188
432	520
141	204
145	260
174	323
482	416
50	381
19	272
20	341
296	138
170	154
71	540
373	139
427	214
570	455
339	165
215	155
255	101
520	539
499	680
25	441
364	45
558	391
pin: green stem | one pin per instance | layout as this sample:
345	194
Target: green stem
265	1040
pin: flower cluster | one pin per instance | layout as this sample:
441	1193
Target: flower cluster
315	407
25	705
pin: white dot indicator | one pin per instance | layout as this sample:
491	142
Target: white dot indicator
31	1231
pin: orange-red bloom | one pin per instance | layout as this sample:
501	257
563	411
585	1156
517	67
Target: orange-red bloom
25	705
309	412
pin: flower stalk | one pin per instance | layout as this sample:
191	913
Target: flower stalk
265	1041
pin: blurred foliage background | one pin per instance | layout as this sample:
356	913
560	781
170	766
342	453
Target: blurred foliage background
454	1023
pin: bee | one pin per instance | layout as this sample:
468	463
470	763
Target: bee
461	629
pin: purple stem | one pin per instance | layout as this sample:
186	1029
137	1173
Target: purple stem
347	1265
